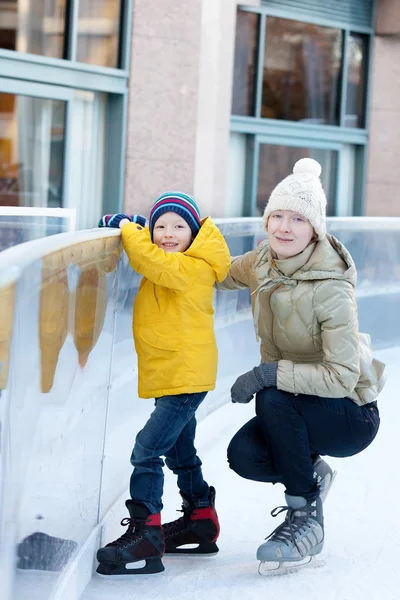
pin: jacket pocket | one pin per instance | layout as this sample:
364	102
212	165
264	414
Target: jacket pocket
167	336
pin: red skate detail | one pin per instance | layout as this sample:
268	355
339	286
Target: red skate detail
208	512
154	520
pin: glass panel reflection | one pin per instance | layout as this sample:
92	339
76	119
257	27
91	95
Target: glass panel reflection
18	227
302	65
357	51
245	67
98	32
62	343
34	26
276	162
31	151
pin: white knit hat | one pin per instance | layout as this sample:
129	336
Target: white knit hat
302	193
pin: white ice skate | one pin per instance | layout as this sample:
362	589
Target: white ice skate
297	541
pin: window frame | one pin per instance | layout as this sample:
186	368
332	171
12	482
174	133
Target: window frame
305	133
31	74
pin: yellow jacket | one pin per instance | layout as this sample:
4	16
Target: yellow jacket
173	317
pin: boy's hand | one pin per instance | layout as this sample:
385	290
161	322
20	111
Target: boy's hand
115	220
254	381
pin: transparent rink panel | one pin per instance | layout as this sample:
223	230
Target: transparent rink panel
127	413
375	248
58	383
19	228
374	244
70	403
7	303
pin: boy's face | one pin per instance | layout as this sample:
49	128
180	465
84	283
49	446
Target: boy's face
172	233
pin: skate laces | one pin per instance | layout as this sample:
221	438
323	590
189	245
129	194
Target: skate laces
296	521
176	526
131	535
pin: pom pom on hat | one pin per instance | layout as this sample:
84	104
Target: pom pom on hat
302	193
307	165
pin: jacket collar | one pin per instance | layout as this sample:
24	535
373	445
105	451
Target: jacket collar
290	265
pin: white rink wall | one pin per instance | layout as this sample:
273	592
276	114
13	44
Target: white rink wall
69	409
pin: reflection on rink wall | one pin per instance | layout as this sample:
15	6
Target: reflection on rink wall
7	299
69	409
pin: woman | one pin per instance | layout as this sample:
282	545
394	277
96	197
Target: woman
317	383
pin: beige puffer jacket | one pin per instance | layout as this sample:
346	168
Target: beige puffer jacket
305	313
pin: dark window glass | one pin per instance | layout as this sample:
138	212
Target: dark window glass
245	67
276	163
34	26
98	32
356	79
302	67
31	151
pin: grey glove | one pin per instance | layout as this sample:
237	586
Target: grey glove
254	381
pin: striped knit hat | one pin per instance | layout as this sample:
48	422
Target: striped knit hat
182	204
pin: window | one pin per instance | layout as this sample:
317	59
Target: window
50	28
244	80
300	90
98	32
356	80
309	73
31	151
34	26
301	72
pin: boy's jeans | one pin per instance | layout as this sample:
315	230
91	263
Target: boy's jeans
169	432
279	444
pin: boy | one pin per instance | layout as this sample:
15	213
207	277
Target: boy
180	258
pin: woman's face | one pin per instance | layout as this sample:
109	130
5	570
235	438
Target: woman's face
289	233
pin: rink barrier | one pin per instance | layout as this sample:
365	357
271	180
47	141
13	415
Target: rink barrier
19	224
69	409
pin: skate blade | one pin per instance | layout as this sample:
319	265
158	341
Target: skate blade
273	568
205	550
140	567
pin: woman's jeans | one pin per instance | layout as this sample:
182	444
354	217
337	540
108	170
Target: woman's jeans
280	443
169	432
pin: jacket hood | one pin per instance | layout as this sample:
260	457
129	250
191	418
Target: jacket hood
330	260
210	245
325	259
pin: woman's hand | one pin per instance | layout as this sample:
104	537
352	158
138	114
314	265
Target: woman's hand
119	219
254	381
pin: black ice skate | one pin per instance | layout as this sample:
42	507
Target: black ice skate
199	527
143	541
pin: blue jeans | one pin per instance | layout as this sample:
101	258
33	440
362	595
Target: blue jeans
169	432
279	444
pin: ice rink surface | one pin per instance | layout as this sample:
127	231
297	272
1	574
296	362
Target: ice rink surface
362	535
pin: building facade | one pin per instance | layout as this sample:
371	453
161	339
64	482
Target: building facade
64	69
104	104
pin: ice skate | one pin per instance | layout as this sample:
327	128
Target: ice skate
296	542
324	477
143	542
194	533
